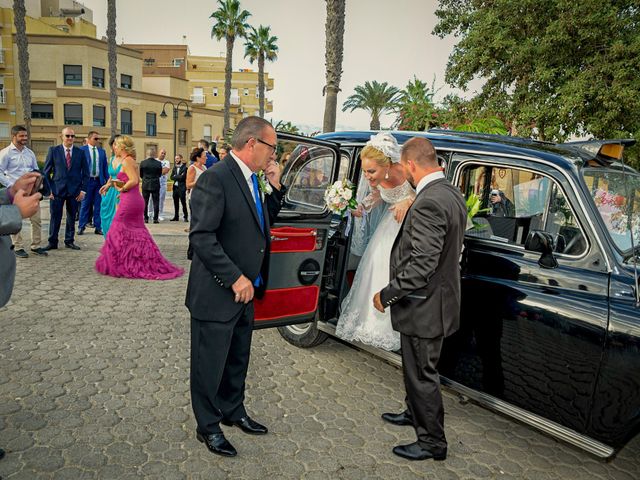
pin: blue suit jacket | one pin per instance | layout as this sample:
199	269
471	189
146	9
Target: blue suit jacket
60	181
103	166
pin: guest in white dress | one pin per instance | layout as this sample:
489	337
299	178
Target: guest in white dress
358	319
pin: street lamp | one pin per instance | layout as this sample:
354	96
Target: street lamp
176	109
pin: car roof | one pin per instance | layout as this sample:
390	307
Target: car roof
565	156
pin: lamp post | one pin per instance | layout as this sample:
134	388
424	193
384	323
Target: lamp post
176	109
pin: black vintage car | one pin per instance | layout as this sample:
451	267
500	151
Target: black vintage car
550	330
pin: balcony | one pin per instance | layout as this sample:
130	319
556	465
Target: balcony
3	98
1	57
198	99
235	100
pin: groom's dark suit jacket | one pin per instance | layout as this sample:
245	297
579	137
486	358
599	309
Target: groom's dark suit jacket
61	181
226	240
424	291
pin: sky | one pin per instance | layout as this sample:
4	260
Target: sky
384	41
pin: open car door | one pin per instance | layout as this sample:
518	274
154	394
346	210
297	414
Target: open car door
299	235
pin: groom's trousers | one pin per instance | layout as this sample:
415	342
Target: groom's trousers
219	362
422	383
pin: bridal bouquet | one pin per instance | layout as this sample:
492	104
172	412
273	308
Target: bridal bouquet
340	196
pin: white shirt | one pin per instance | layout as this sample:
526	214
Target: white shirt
14	163
246	171
165	164
427	179
93	150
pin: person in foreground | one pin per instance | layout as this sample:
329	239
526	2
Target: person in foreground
129	250
424	295
229	245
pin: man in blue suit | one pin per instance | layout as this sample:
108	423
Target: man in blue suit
66	174
98	170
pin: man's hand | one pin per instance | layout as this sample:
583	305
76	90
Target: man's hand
243	288
24	183
377	303
80	196
400	209
28	205
273	173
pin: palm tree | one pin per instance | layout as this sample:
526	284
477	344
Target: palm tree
287	127
416	108
262	46
231	22
19	13
483	125
112	57
375	97
334	36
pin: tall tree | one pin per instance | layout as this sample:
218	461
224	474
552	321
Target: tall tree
377	98
231	22
19	13
552	68
112	58
416	108
334	37
261	45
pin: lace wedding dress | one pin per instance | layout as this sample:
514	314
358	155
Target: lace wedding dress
359	320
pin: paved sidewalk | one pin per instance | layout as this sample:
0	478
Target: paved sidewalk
94	385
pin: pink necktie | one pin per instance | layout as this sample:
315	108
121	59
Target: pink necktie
68	159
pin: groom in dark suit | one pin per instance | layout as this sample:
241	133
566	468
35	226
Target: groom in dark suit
424	295
229	248
66	176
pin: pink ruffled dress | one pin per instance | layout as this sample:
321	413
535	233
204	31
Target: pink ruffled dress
129	250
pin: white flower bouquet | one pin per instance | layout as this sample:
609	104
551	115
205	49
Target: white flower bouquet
340	196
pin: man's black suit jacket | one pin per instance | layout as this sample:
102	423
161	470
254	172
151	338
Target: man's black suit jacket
62	181
150	173
226	240
179	177
424	291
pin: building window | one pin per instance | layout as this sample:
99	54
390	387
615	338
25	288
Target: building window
215	91
182	137
5	130
246	92
178	62
42	111
72	114
126	81
97	77
206	133
257	93
99	115
126	123
73	75
151	124
148	62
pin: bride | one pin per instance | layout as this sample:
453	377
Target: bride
359	320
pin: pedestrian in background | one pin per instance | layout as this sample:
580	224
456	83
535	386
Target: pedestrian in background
179	177
166	166
150	172
211	159
96	159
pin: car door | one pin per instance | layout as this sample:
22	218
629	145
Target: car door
300	234
529	335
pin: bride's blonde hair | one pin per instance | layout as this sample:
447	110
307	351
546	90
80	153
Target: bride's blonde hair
125	143
372	153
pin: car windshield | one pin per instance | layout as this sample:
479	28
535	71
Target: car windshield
617	198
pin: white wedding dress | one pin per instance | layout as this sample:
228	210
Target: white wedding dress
359	320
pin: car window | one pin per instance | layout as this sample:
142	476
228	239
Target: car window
513	202
308	173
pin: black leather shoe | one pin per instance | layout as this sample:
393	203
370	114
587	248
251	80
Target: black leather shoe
98	231
156	221
414	451
174	219
247	425
146	220
40	251
21	253
216	443
81	231
402	418
72	246
1	454
51	247
186	219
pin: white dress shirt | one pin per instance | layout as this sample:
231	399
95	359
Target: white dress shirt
246	171
165	176
94	150
14	163
427	179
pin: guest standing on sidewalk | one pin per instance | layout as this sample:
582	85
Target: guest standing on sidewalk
96	159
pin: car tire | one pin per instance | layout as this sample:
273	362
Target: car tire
303	335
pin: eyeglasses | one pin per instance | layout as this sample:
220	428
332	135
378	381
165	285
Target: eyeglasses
69	136
274	147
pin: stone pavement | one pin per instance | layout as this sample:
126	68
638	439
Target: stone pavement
94	385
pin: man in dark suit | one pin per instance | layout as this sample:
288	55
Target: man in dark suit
66	176
179	177
98	168
150	173
424	295
229	245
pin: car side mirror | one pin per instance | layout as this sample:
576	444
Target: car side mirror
541	241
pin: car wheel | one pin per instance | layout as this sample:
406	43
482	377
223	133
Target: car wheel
303	335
